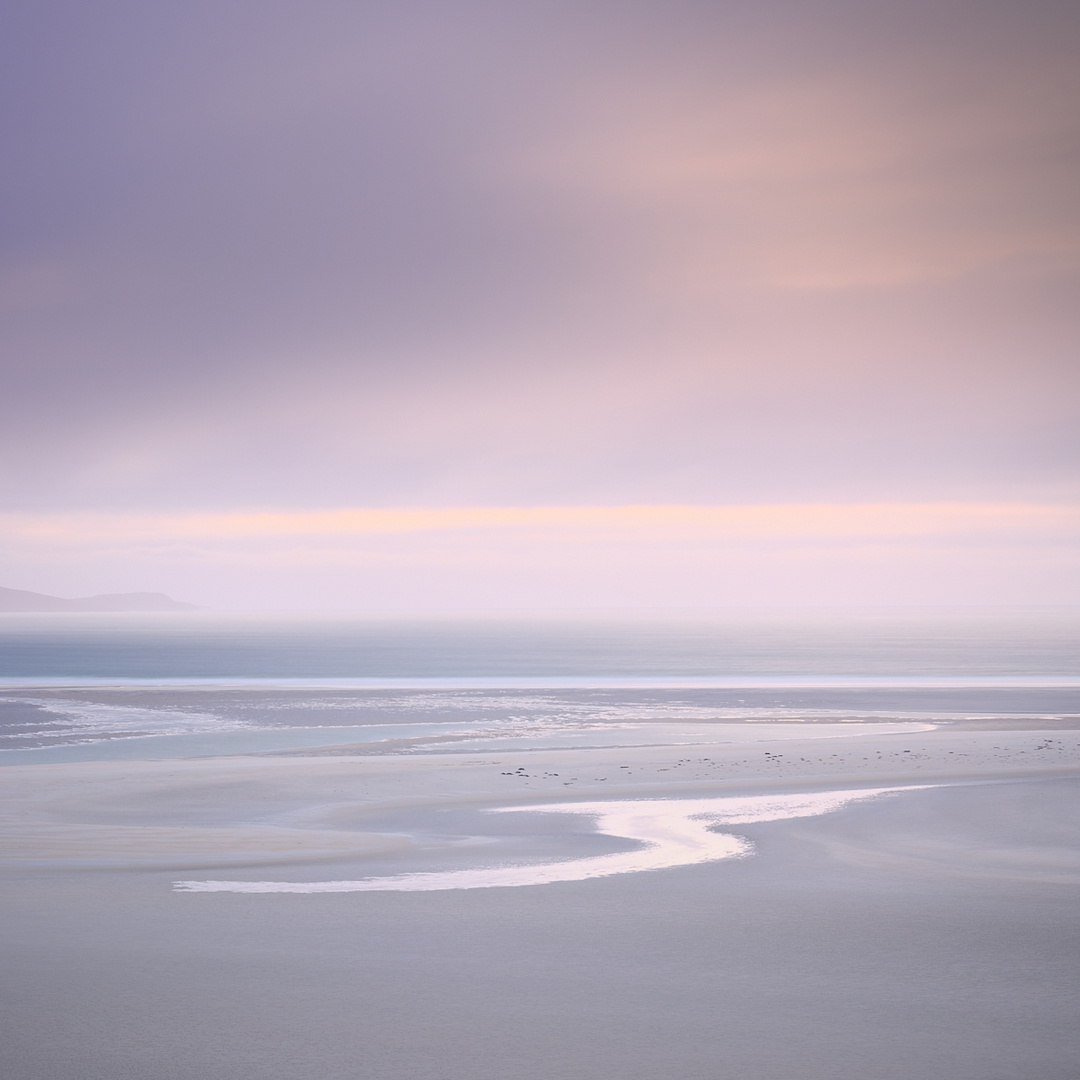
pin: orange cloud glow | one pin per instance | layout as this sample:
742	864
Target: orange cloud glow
811	521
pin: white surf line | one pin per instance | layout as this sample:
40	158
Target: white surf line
674	832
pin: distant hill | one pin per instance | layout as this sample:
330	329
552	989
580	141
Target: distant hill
20	600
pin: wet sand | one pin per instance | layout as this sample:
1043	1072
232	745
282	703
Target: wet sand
928	932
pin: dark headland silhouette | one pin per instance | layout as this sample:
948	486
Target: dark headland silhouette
20	600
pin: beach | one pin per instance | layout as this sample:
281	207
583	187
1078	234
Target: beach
834	899
540	541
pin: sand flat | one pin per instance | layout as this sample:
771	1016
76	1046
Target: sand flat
333	804
931	932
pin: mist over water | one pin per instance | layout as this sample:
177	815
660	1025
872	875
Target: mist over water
65	647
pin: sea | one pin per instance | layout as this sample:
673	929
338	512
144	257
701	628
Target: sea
107	686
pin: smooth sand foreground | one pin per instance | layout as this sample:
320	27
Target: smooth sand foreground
930	932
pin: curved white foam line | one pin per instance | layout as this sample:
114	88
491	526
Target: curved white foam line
674	832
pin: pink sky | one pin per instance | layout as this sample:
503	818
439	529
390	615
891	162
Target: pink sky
500	558
515	270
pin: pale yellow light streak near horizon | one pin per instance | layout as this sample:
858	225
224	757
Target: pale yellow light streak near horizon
814	521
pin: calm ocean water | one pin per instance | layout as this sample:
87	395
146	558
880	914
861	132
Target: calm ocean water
224	684
192	646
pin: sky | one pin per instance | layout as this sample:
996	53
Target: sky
471	304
